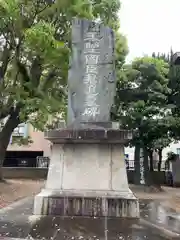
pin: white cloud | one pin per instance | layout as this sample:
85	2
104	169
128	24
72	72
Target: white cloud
150	25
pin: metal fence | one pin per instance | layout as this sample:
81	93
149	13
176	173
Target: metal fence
130	165
36	162
42	162
19	162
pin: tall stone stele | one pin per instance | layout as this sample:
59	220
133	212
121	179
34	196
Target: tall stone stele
87	172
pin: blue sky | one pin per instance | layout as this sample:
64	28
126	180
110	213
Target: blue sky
150	25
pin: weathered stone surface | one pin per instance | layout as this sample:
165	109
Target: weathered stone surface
81	166
80	163
92	72
90	206
99	135
87	172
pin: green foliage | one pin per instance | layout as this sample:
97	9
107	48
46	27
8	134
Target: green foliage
141	100
21	140
147	101
121	50
107	11
161	143
174	95
34	55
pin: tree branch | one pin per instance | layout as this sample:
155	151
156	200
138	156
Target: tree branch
5	60
36	71
6	112
12	122
48	78
24	73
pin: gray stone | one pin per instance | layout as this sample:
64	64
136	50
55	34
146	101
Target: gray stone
87	156
91	80
82	174
71	206
93	135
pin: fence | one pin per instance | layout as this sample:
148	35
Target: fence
41	173
39	170
32	162
19	162
42	162
130	165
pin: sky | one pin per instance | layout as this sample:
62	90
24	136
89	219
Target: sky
150	26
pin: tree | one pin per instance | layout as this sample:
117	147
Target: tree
159	145
141	105
34	54
174	93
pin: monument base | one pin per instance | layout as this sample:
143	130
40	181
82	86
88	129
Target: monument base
87	203
87	175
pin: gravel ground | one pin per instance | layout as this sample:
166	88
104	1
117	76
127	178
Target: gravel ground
155	193
13	190
168	196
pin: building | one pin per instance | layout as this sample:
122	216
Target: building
26	155
173	147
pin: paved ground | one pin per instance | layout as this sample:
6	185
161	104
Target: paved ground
159	217
13	190
169	197
157	223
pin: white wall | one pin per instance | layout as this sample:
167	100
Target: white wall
130	152
172	147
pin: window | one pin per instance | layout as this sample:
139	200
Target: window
178	151
19	131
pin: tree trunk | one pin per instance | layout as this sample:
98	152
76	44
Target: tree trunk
148	172
12	122
151	161
160	159
2	157
137	165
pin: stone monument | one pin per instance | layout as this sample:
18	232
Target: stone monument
87	172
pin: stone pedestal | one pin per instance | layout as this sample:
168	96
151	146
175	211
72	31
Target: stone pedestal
87	175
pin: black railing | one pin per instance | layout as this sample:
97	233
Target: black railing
40	161
43	162
130	165
19	162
